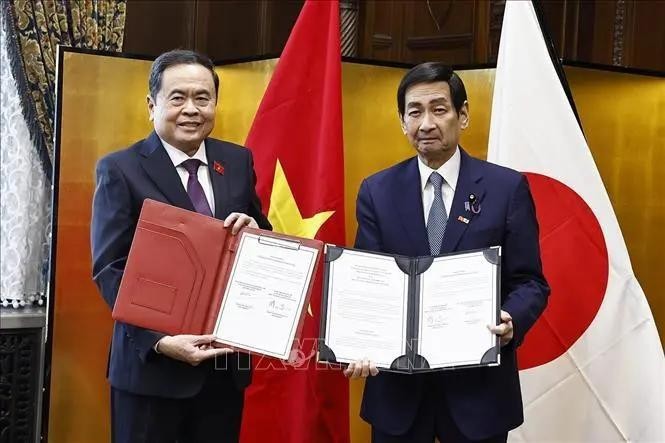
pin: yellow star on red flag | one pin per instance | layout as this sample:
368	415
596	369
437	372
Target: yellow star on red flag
285	216
284	213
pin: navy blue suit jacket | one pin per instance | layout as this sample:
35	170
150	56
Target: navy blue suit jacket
483	401
124	179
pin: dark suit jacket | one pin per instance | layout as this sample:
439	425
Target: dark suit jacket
483	401
124	179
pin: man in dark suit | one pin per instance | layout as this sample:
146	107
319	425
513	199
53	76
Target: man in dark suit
170	388
440	201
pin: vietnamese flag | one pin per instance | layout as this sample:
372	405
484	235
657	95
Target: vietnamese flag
296	140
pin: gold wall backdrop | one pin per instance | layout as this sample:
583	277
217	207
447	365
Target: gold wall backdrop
104	109
623	116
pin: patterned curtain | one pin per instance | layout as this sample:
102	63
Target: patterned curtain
35	28
29	35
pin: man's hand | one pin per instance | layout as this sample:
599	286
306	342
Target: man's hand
361	368
192	349
505	329
238	220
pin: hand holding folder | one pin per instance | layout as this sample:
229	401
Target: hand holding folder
192	349
187	274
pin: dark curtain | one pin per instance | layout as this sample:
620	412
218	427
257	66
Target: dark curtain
34	30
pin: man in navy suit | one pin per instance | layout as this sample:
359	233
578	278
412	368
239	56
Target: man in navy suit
172	388
440	201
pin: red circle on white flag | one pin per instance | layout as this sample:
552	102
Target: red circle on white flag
575	264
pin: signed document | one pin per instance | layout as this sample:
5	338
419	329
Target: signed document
187	274
265	295
410	314
367	308
458	299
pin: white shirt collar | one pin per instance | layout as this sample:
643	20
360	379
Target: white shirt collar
177	156
449	170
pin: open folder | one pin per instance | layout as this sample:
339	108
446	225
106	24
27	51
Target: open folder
187	274
411	314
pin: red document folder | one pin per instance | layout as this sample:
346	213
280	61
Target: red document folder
178	268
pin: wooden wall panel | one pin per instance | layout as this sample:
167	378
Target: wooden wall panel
416	31
383	28
582	30
554	13
439	30
279	20
496	19
229	29
223	30
609	32
481	31
644	39
571	40
156	26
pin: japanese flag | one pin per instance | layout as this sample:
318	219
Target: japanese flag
592	368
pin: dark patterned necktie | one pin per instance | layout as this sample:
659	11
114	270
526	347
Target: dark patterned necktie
194	188
438	217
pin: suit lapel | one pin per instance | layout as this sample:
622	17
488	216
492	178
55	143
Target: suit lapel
159	167
216	165
468	182
409	203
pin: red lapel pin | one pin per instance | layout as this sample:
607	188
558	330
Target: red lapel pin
218	167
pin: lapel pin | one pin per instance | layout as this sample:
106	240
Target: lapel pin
463	220
472	204
218	167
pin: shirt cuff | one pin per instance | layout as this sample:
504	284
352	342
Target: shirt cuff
156	346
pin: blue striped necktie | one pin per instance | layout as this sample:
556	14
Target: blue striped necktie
438	217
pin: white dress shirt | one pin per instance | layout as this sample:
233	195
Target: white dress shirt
450	172
177	157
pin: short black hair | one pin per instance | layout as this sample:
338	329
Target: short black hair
178	57
428	73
